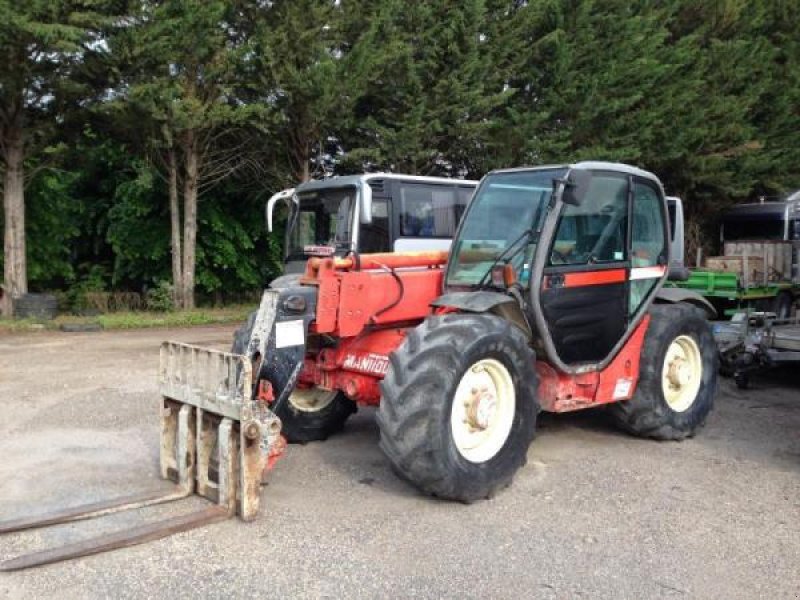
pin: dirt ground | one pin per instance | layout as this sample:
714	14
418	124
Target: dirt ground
595	514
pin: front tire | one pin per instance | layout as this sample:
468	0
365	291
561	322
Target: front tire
458	407
677	376
309	415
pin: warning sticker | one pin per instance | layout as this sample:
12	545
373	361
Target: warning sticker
622	389
289	333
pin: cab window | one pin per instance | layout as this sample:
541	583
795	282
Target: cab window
648	242
594	232
429	211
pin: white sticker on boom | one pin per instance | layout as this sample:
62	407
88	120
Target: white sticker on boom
622	389
289	333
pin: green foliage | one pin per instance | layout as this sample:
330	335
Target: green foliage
138	227
90	278
434	90
703	93
53	224
160	297
310	71
183	64
137	319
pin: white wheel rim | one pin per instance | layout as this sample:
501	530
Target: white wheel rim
311	399
483	410
682	373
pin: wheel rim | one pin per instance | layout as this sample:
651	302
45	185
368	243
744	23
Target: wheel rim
483	410
311	399
682	373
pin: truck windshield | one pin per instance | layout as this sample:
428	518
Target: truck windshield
321	223
504	207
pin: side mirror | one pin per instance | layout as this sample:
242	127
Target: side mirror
576	186
365	202
287	196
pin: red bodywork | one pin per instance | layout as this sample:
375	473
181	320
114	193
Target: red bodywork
369	306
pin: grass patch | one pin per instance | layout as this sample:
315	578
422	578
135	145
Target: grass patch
16	325
137	320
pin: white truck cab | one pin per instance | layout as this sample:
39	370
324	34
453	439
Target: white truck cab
372	212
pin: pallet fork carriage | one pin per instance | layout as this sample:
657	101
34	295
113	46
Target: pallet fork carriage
215	442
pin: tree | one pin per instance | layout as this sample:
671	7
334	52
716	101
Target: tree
181	62
667	86
434	91
198	111
311	66
43	44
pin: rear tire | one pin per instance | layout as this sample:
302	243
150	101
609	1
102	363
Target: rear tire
677	376
309	415
458	406
742	381
782	305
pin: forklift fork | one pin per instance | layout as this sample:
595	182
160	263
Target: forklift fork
215	442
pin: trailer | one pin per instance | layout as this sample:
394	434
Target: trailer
759	268
757	341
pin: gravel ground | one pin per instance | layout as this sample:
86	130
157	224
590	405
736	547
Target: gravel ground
595	514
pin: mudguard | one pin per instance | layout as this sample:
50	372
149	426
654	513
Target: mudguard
670	295
484	301
474	302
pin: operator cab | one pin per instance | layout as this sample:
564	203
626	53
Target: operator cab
369	213
583	248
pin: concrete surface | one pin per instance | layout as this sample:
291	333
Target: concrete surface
595	514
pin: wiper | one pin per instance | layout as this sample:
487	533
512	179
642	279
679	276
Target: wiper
505	254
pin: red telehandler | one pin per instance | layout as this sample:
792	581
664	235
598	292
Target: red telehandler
550	299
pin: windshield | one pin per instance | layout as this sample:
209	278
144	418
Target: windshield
321	223
504	207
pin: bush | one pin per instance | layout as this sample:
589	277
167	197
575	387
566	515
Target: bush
105	302
160	298
92	282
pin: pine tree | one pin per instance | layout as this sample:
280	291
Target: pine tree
312	59
667	86
182	63
43	43
431	101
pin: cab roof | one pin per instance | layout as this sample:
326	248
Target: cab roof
594	165
355	180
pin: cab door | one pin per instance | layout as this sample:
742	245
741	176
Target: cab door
649	244
584	292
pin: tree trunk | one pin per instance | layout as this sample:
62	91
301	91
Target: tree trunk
189	218
305	174
15	271
175	227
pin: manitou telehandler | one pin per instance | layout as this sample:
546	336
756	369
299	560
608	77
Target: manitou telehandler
550	299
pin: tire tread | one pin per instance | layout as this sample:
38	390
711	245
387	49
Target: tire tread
432	356
647	414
